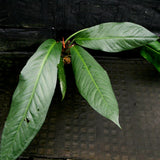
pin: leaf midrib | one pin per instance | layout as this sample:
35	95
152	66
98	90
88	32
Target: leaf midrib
114	37
152	49
34	89
90	75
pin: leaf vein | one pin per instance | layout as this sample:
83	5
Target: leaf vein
90	75
113	37
33	92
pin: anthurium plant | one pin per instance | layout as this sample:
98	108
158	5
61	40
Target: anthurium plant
38	78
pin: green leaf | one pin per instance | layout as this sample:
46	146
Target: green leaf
151	52
93	84
31	100
62	78
115	37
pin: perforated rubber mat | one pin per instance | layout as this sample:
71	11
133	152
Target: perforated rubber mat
74	130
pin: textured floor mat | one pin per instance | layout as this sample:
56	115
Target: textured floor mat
74	130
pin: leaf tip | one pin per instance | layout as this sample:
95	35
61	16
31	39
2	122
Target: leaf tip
116	121
62	98
118	124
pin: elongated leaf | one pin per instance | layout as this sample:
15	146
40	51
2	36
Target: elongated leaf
31	100
115	37
94	84
62	78
151	53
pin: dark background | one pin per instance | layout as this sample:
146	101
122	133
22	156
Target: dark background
24	24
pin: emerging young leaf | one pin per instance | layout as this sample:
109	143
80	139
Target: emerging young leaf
151	53
31	100
62	78
115	37
94	84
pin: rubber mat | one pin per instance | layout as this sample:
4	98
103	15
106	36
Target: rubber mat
74	130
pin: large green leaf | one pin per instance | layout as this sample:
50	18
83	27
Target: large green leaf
62	78
94	84
31	100
151	53
115	37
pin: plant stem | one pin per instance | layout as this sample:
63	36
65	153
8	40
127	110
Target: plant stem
74	34
71	42
70	45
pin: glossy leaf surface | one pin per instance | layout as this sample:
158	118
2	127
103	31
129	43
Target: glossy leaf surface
151	53
115	37
93	84
62	78
31	100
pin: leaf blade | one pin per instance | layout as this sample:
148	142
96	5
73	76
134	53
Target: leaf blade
115	37
62	78
93	84
151	52
31	100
